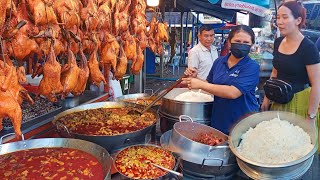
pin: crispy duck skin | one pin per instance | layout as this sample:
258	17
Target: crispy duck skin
83	75
96	75
21	71
152	25
162	34
116	20
143	40
42	12
50	85
129	46
69	78
89	15
3	8
11	96
138	6
137	66
68	13
9	107
17	90
121	65
124	18
105	15
110	51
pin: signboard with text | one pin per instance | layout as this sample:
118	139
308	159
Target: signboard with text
259	8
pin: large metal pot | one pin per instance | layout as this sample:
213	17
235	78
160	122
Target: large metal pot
200	169
196	110
192	151
97	151
291	170
111	143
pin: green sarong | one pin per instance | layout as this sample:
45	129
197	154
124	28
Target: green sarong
298	105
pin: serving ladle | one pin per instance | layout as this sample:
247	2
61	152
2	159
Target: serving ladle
165	169
163	93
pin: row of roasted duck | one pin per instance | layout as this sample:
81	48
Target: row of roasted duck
55	32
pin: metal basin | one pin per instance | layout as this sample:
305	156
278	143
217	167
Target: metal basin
196	110
290	170
111	143
181	142
97	151
201	170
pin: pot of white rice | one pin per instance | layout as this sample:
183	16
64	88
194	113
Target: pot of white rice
197	105
274	145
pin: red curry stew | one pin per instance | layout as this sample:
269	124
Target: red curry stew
209	139
133	162
106	121
50	163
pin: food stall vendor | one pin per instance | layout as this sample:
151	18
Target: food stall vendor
232	80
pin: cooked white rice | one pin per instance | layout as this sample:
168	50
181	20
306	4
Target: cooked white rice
194	96
275	142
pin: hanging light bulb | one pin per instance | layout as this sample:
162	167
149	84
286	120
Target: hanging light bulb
153	3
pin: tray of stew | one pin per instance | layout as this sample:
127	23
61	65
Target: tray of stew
106	121
132	161
50	163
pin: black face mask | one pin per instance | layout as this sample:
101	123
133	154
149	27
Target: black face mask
240	50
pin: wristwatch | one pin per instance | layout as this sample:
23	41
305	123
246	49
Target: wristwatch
312	116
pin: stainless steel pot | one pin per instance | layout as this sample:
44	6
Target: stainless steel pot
111	143
181	142
167	122
291	170
97	151
201	170
196	110
162	177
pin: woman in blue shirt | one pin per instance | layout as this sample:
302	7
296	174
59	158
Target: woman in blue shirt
232	80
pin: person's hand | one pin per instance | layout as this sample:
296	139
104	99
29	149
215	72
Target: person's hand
193	83
265	104
191	72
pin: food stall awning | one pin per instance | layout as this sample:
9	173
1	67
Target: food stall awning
204	6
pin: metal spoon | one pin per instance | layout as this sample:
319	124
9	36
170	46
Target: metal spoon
165	169
163	93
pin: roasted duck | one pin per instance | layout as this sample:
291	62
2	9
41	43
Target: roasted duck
96	75
110	51
70	74
50	85
137	66
121	65
83	75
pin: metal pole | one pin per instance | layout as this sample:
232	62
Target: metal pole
144	81
197	27
186	39
181	35
192	39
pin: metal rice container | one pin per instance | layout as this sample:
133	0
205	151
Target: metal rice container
290	170
171	109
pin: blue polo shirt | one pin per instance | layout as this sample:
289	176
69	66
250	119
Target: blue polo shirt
245	77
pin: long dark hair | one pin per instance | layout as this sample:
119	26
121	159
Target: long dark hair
244	28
